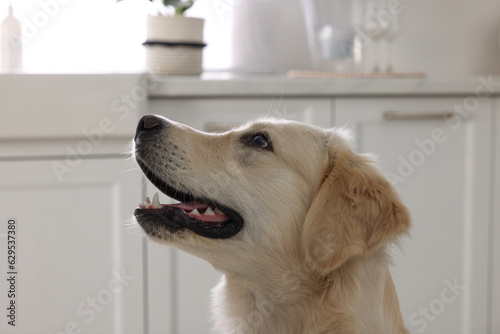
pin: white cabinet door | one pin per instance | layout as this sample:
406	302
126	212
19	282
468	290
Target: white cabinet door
180	294
161	279
77	269
442	169
495	312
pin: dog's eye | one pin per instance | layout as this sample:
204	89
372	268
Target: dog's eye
260	140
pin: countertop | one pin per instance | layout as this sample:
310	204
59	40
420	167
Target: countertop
231	85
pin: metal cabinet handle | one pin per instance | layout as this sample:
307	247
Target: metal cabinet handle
417	116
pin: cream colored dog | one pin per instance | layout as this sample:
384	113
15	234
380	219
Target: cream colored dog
297	222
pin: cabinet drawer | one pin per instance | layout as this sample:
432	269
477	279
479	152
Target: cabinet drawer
401	114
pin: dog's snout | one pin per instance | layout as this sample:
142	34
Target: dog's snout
148	123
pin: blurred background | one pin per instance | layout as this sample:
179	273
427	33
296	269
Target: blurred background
417	81
434	36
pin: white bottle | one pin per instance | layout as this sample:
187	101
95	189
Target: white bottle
12	47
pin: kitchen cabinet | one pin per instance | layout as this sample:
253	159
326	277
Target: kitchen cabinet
78	268
179	284
495	223
438	154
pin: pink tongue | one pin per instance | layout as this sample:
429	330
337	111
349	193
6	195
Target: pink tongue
190	206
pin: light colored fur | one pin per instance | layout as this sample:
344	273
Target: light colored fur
312	256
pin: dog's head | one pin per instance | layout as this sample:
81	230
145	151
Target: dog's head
268	190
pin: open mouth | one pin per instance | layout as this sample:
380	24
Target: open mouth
204	217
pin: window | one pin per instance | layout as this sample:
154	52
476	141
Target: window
103	35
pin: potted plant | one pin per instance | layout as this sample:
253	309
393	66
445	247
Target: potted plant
174	42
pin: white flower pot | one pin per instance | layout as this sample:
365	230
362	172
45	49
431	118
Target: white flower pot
174	45
174	29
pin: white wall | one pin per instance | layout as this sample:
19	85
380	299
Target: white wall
437	36
449	37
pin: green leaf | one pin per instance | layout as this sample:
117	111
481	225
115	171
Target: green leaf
180	5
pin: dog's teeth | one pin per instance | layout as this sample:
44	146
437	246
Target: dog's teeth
195	212
218	212
156	201
209	212
148	201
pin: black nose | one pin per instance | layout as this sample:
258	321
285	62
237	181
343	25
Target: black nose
148	123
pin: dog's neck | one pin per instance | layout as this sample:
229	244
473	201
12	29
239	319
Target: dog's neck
258	303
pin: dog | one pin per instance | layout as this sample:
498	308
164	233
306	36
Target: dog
297	222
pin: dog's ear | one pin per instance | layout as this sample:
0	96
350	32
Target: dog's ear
355	211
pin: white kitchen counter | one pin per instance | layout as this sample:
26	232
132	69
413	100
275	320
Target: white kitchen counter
230	85
48	106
